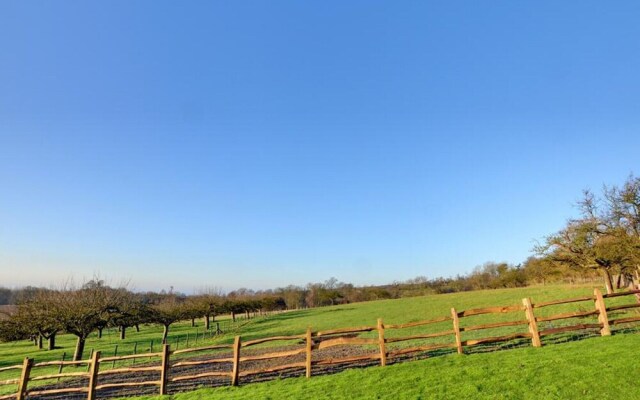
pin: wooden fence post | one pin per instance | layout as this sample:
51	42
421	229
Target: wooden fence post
94	367
64	355
236	361
456	330
115	354
308	351
135	351
533	325
383	349
90	357
24	378
166	353
602	313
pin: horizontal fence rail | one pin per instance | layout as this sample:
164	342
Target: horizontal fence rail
374	344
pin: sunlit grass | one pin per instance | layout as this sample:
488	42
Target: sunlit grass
597	368
349	315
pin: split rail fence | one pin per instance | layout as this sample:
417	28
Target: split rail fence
378	343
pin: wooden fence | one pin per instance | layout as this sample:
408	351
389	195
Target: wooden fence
381	342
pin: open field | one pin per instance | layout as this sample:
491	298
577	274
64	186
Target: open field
598	368
401	311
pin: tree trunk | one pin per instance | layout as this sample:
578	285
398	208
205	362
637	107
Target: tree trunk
100	333
39	340
165	334
137	328
77	355
193	322
619	281
52	341
123	332
607	281
233	316
207	323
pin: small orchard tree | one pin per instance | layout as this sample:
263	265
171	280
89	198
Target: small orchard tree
208	306
167	310
132	312
83	311
193	308
38	313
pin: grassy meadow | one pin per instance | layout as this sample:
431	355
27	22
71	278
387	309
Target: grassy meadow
469	375
596	368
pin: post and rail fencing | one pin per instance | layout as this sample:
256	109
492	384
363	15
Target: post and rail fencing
531	322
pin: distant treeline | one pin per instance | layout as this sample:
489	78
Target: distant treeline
491	275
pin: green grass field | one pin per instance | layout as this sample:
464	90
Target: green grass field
452	369
597	368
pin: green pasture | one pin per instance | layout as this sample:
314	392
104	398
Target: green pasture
430	307
596	368
349	315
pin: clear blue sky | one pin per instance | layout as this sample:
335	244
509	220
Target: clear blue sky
262	143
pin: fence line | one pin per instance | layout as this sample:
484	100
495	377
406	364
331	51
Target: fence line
311	341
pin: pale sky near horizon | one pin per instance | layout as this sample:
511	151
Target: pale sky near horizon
259	144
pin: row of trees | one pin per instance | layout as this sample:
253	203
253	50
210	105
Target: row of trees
491	275
40	314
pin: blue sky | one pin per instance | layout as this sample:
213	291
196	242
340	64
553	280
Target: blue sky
257	144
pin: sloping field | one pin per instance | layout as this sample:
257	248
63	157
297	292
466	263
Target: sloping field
295	322
394	312
596	368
